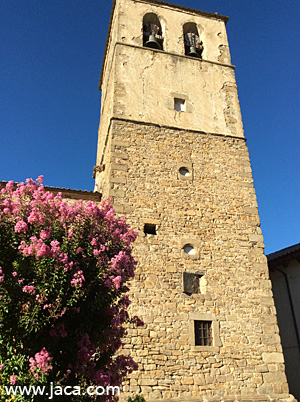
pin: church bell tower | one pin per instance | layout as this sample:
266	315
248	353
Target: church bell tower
173	158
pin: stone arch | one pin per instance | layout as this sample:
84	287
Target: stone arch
193	46
152	32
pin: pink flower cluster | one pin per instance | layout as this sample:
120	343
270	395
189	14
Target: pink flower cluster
36	247
21	226
41	299
13	379
62	252
1	275
40	362
77	280
117	281
29	289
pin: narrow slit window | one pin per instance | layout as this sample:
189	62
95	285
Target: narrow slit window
203	333
150	229
179	105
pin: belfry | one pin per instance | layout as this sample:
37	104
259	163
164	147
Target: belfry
173	158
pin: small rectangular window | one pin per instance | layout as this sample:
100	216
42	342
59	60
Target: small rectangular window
190	283
179	104
150	228
203	333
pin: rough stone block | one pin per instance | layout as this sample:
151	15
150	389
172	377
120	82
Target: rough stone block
273	357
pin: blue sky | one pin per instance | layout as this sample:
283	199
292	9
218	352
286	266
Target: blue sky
51	53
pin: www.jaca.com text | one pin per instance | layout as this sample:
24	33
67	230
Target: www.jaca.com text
58	390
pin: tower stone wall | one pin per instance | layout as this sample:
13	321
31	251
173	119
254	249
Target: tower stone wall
184	181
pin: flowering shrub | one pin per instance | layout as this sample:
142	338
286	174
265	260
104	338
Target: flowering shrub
63	274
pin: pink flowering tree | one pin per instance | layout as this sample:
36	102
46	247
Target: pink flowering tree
63	303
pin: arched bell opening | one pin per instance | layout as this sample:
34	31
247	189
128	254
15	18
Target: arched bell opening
152	32
192	44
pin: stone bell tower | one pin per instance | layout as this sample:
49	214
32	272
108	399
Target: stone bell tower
173	158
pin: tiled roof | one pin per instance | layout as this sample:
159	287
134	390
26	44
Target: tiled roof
287	252
78	193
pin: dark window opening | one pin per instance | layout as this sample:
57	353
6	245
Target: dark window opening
203	333
190	283
152	32
184	171
192	44
150	228
179	105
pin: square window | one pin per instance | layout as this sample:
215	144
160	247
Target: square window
203	333
179	105
150	229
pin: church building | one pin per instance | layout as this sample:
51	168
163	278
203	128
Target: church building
173	158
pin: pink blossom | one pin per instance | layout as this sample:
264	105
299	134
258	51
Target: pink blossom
100	250
10	185
55	248
32	217
13	379
2	275
79	250
40	179
1	366
45	234
94	242
21	226
42	250
14	273
29	289
40	298
41	361
117	281
78	278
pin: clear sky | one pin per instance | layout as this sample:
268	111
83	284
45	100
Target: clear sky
50	61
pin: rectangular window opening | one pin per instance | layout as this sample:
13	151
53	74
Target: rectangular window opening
203	333
191	283
150	229
179	104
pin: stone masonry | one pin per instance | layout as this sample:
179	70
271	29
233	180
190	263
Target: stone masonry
187	176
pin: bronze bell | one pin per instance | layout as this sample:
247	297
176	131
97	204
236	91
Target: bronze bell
152	43
193	52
